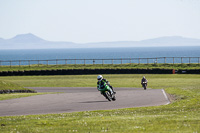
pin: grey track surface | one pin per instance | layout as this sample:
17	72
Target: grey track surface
76	99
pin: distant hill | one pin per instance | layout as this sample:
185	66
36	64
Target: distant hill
30	41
26	38
172	41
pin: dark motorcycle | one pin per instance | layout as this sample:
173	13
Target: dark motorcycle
144	85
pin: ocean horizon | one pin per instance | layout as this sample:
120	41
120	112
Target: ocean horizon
100	53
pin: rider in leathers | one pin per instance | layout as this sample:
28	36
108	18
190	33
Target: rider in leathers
102	83
144	80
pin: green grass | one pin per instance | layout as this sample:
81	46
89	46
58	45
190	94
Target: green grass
182	115
9	85
5	85
18	95
100	66
117	80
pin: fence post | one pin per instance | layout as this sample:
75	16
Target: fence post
65	61
102	61
147	60
84	61
47	62
19	63
112	61
181	60
139	61
165	59
189	59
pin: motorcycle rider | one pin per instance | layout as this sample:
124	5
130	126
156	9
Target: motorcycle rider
144	80
102	82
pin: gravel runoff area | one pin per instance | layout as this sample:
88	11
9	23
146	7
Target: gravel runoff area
75	99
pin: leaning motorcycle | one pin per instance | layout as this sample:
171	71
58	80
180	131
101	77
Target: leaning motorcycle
144	85
107	93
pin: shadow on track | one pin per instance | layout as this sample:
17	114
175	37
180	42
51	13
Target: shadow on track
93	101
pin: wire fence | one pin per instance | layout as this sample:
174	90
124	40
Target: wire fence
159	60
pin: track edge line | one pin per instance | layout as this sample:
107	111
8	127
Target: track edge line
166	97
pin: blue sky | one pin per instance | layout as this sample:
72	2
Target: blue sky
83	21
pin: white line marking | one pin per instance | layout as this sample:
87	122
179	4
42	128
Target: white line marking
166	96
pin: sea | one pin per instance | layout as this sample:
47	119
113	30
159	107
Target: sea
99	53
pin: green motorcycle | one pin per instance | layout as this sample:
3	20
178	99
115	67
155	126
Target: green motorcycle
107	92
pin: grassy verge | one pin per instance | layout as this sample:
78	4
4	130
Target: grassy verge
18	95
182	115
117	80
7	85
100	66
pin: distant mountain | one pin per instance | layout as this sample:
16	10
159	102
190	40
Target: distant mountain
172	41
30	41
156	42
26	38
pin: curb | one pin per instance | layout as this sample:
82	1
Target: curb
166	97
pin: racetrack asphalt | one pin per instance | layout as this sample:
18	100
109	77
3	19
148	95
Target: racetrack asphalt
75	99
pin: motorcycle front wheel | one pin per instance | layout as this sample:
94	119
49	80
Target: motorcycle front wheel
114	98
108	95
145	86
